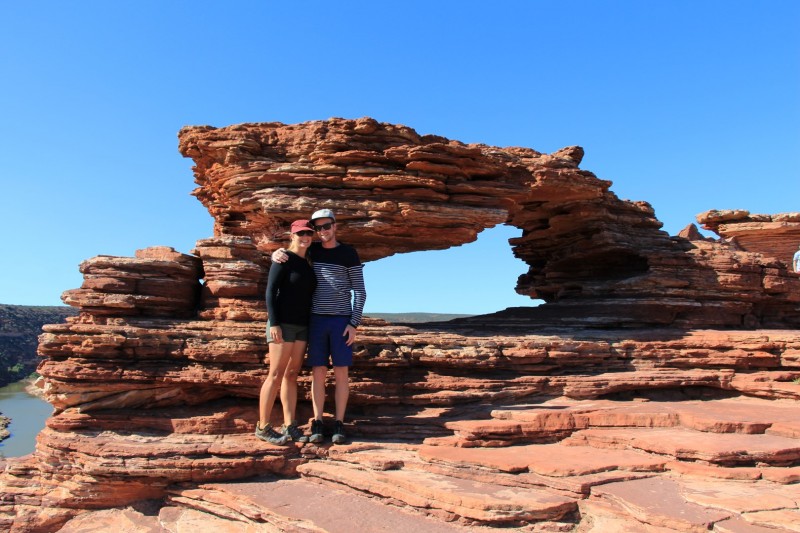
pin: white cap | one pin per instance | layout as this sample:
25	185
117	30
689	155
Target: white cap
323	213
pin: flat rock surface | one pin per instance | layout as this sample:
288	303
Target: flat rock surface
322	508
480	501
659	502
741	497
546	459
118	520
726	448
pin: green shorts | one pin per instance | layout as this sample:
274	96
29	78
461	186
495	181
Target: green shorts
291	332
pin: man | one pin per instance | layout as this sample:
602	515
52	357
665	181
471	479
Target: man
336	310
796	261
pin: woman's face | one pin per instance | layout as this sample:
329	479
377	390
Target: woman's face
303	238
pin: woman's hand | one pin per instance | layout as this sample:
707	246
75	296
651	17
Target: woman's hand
276	334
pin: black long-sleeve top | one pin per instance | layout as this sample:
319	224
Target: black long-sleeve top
290	287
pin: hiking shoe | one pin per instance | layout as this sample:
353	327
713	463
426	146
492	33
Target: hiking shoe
338	433
293	432
270	435
316	431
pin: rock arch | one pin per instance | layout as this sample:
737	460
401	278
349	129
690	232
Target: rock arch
594	258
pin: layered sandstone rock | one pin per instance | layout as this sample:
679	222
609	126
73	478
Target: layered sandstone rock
158	281
596	259
619	465
775	236
155	382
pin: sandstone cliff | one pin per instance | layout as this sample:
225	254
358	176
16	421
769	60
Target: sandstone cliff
659	363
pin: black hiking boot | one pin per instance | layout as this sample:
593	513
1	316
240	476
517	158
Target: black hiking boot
339	436
268	434
294	433
316	431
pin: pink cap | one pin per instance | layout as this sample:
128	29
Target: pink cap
301	225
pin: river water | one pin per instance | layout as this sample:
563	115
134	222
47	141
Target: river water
27	413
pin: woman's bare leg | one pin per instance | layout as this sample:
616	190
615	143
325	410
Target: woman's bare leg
278	360
289	383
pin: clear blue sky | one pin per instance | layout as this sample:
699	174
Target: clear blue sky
687	104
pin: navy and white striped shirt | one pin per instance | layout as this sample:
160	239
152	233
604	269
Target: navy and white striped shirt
339	273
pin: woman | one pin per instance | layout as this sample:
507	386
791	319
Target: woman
289	289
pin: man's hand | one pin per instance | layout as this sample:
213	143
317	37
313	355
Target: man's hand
350	333
280	256
276	333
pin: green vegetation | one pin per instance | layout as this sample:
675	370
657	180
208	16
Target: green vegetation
415	318
20	326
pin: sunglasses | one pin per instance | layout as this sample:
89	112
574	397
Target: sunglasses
325	226
304	233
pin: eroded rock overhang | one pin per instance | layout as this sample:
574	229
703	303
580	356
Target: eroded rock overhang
604	261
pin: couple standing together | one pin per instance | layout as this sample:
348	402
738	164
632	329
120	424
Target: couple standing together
315	298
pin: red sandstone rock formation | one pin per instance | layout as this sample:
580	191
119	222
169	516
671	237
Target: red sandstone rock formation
601	260
775	236
499	420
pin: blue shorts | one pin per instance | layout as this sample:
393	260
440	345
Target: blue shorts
326	338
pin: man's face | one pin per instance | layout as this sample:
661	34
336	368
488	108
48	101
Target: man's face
326	229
